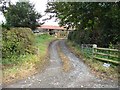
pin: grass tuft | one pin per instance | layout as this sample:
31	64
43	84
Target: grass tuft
65	60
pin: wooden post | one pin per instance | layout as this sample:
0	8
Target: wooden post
94	50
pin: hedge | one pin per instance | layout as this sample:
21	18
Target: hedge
17	41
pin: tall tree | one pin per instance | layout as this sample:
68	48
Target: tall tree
99	22
22	14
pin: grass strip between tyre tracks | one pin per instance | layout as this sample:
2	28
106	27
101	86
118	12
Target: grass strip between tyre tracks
66	65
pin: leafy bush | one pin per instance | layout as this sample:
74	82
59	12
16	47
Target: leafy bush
17	41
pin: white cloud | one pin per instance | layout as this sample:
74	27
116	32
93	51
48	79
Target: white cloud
2	18
40	5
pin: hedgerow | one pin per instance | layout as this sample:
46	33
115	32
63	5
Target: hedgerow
17	41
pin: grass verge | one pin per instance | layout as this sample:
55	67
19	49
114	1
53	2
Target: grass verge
95	66
65	60
28	64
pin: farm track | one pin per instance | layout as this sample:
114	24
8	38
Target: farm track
54	77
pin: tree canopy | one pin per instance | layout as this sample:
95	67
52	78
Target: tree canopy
96	22
22	14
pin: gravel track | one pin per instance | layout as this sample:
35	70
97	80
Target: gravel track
54	77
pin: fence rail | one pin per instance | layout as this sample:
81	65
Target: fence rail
106	54
107	49
108	60
103	54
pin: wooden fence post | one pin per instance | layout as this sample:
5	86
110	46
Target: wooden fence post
94	50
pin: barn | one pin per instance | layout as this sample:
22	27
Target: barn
52	30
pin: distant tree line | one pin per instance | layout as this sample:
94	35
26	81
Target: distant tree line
94	22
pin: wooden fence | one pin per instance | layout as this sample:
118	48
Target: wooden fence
106	54
103	54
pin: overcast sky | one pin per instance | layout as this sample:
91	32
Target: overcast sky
40	6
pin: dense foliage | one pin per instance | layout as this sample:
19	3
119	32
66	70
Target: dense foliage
94	22
16	42
21	14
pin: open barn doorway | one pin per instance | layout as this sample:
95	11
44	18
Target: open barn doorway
51	32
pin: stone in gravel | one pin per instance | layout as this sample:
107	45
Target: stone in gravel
28	77
25	81
39	80
81	86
